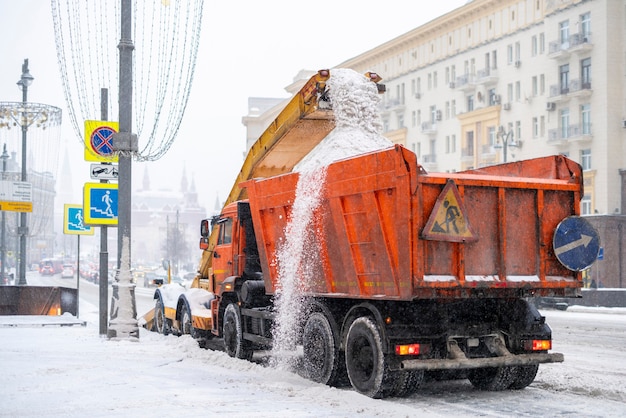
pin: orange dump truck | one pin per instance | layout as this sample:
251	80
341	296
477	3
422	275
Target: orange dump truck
403	273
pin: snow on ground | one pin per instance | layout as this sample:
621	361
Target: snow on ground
70	371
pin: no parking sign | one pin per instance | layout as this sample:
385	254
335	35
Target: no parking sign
99	140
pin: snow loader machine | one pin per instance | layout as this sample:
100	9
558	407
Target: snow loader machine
406	274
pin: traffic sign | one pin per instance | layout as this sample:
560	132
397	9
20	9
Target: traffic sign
103	171
448	220
99	140
73	221
100	201
576	243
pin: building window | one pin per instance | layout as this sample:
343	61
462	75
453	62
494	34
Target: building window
534	47
518	51
518	131
447	110
542	43
518	91
585	205
414	119
585	159
585	117
542	126
435	79
542	84
509	92
565	123
491	134
564	34
453	108
535	127
509	54
400	121
494	59
492	97
453	143
447	144
564	78
433	114
470	102
535	86
430	81
585	73
585	26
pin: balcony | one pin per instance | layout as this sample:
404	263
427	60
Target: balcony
429	128
465	82
576	43
429	162
579	88
389	105
575	88
487	76
572	133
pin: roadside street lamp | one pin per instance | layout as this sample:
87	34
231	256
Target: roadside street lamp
25	81
3	248
25	115
507	141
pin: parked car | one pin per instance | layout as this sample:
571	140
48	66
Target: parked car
68	271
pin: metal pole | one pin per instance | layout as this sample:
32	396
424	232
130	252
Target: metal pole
78	276
4	157
104	255
123	323
24	82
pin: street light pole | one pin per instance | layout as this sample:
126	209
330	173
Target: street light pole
25	81
3	248
507	140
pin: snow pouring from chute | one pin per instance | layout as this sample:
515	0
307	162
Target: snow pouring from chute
354	100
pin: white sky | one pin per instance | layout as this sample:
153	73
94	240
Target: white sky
248	49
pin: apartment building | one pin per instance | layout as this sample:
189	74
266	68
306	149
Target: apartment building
506	80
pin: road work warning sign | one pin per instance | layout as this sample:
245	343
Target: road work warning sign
448	220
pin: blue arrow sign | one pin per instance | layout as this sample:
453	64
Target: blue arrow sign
576	243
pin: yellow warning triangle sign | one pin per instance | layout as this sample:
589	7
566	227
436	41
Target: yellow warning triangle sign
448	220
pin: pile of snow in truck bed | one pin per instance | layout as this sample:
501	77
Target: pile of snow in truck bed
354	100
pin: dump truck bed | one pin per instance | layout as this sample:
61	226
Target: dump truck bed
387	229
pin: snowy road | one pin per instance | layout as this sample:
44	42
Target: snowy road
52	372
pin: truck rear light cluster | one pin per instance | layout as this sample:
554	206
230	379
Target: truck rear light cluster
538	345
412	349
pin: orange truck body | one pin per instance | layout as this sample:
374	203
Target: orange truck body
374	239
405	273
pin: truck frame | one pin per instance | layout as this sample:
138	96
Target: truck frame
411	273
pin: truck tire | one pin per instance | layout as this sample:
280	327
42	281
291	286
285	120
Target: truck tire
367	366
525	376
493	378
160	321
234	344
323	362
408	381
186	324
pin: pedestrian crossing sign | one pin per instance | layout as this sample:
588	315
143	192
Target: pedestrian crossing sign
74	221
448	220
100	202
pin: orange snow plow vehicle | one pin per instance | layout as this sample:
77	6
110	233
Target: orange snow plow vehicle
399	272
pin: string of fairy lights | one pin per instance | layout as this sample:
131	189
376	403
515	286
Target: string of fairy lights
166	36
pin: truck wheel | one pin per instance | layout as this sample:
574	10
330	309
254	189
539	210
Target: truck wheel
366	363
322	360
525	376
186	324
160	321
493	378
408	381
233	334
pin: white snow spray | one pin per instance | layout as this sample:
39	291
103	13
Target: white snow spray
354	100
